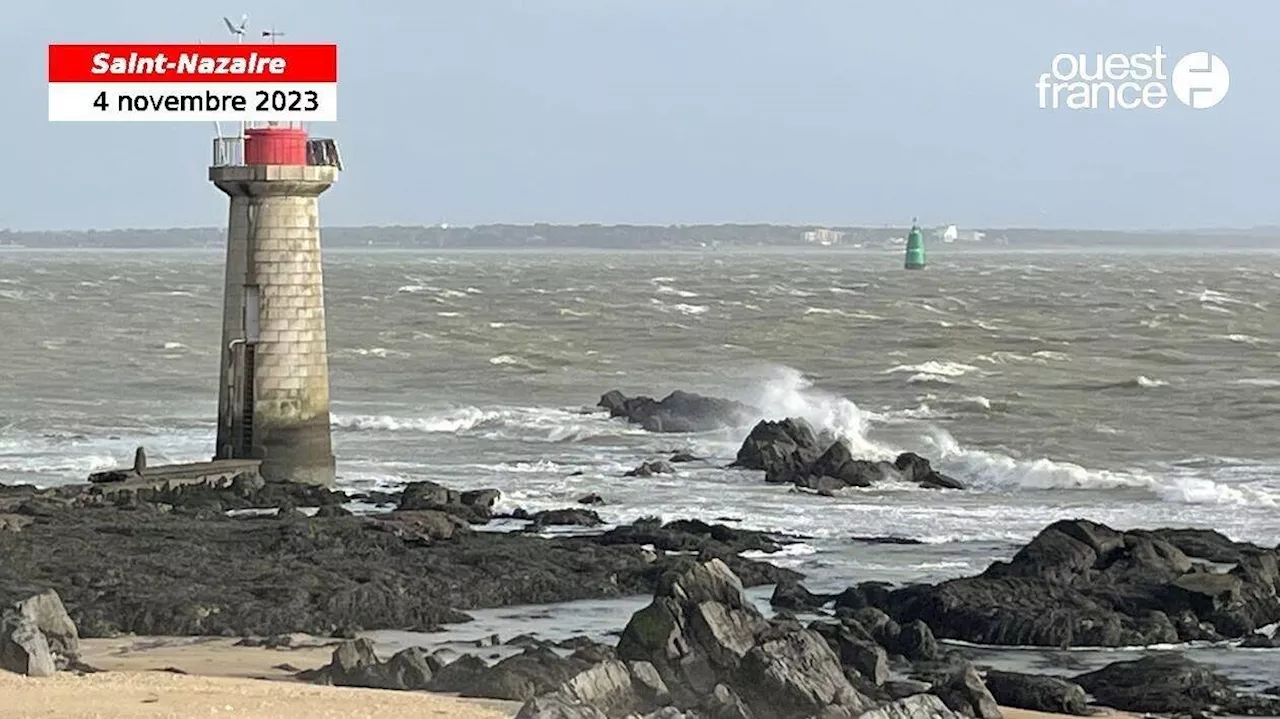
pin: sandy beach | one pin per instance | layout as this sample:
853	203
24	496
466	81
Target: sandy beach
221	680
142	681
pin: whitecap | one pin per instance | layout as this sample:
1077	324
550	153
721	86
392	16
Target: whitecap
1259	382
666	290
934	367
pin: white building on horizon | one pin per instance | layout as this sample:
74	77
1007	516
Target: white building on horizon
824	237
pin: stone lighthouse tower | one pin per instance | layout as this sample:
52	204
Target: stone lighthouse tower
273	397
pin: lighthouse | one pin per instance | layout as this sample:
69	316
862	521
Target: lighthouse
915	248
273	394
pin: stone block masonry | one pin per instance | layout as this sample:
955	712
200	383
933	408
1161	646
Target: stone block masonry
273	260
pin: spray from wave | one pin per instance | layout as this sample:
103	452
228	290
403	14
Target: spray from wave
788	393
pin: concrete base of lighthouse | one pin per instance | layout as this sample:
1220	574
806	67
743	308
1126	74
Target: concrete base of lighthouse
273	398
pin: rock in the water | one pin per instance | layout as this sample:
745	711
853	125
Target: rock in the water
591	499
1037	693
965	694
784	450
1168	683
648	469
790	451
838	463
915	468
678	412
1082	583
575	517
679	457
885	540
475	506
1260	641
23	648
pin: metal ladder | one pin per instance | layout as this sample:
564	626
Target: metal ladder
246	405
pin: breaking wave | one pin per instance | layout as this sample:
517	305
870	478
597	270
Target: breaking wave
529	423
790	394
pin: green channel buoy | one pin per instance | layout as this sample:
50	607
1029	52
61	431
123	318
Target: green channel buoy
915	248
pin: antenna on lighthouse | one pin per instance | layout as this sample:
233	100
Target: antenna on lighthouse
239	32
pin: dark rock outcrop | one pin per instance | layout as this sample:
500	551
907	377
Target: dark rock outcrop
794	595
782	449
915	468
46	611
475	506
355	664
538	670
37	637
920	706
650	468
1079	583
609	689
965	693
700	650
146	571
23	649
1260	641
789	451
246	491
678	412
1037	693
707	641
1171	683
856	650
575	517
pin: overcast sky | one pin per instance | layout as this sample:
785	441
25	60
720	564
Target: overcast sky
683	111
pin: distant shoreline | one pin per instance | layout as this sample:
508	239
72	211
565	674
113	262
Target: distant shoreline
651	237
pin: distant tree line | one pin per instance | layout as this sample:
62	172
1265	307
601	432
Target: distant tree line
640	237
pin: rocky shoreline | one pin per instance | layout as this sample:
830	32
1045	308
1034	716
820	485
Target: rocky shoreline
250	559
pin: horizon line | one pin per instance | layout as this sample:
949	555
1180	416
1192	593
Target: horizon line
654	225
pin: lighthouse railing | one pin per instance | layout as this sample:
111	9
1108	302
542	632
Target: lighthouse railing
228	151
321	151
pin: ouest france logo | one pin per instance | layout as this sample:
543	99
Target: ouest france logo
1133	81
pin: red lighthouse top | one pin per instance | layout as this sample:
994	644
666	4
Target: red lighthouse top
275	146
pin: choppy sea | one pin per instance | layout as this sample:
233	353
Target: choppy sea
1137	389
